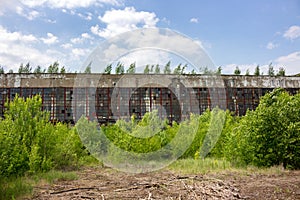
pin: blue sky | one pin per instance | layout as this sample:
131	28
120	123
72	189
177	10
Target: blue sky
232	32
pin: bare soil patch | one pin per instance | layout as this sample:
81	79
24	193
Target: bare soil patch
105	183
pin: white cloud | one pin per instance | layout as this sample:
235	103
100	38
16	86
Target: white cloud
16	36
69	4
120	21
290	62
51	21
8	6
66	46
16	48
194	20
292	33
271	45
31	15
131	46
88	16
78	53
82	38
51	39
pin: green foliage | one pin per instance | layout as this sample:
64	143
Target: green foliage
257	71
30	143
271	71
270	135
131	69
177	69
53	68
157	69
237	71
207	71
247	72
281	72
183	68
20	187
108	69
219	71
152	69
120	68
38	70
147	69
138	137
14	187
25	69
1	70
88	68
196	166
63	70
167	69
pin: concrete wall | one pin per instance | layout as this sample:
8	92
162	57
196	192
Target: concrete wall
140	80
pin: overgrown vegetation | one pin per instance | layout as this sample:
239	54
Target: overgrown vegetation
268	136
29	142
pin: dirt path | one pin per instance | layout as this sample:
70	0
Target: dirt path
104	183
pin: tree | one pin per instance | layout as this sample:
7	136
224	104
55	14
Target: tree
30	142
63	70
247	72
152	69
207	71
131	69
183	68
157	69
271	71
147	69
53	68
25	69
20	70
88	68
37	70
1	70
177	70
10	71
108	69
193	72
237	71
265	138
257	71
167	69
281	72
219	71
120	68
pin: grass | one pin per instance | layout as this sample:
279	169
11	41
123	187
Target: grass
11	188
15	187
202	166
212	165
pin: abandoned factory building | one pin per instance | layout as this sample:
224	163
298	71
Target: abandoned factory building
108	97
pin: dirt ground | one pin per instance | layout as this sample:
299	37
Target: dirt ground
105	183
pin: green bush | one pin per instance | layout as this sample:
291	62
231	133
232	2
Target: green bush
30	143
270	135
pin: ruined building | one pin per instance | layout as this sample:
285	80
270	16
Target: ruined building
110	97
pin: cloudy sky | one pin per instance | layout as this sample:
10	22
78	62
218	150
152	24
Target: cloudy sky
232	32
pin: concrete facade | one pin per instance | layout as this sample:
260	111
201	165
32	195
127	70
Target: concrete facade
111	97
